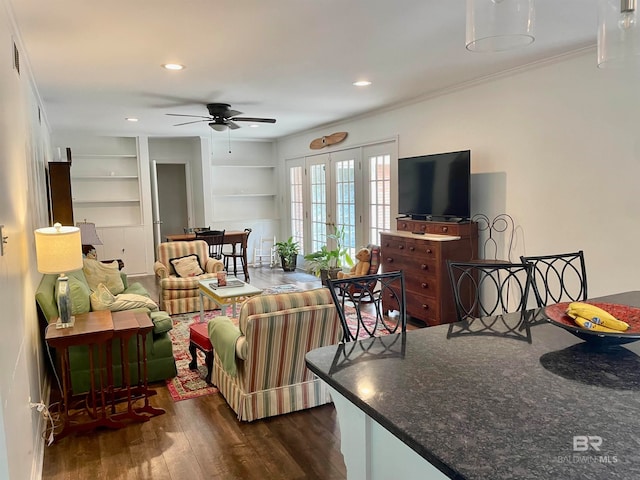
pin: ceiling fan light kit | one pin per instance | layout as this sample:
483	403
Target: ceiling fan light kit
498	25
618	34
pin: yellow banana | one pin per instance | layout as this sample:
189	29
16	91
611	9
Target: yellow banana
589	325
597	316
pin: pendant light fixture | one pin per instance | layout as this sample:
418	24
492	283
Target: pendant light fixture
618	34
497	25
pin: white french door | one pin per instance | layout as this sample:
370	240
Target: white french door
332	186
349	189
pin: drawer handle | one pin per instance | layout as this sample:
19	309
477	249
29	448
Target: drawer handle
412	249
429	250
389	260
425	285
445	229
424	267
425	306
400	247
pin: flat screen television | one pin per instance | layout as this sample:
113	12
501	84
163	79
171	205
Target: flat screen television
435	186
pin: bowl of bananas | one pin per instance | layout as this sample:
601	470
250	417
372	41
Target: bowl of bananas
605	323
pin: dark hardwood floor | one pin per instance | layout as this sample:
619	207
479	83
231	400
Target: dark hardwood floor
201	438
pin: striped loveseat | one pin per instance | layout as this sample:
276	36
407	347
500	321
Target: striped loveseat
276	331
177	294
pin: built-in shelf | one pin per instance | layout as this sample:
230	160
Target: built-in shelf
244	195
244	166
119	200
104	155
105	177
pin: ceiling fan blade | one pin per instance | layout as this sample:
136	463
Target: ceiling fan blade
252	119
232	113
183	115
194	121
232	126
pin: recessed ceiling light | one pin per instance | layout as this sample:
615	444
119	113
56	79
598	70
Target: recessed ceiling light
362	83
131	119
173	66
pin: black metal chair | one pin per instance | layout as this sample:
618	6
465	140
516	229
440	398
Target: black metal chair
367	300
236	255
482	289
215	240
558	278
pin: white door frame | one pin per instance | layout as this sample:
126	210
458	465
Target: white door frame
157	221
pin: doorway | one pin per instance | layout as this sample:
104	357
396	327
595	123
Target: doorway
171	212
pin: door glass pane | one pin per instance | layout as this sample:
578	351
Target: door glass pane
380	201
346	203
297	204
318	189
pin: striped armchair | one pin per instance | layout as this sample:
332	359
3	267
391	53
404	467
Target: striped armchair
276	331
178	294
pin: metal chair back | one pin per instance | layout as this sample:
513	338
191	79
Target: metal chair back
558	278
482	289
373	303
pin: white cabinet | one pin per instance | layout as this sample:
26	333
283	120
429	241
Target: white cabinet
125	243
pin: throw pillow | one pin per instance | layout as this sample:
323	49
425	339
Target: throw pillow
129	301
108	273
79	293
102	298
187	266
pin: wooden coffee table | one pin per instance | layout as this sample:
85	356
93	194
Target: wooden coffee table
224	296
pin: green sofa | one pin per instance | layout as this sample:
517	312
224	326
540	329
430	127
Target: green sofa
160	362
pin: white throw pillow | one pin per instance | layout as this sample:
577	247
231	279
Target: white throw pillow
187	266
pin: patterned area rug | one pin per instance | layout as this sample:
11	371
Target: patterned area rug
191	383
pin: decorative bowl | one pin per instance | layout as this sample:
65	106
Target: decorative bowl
556	315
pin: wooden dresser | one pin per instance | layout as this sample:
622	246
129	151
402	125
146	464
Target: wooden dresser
423	258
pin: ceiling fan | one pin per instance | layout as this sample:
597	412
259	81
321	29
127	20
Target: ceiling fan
221	117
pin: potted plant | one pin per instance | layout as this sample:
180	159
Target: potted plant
288	252
327	263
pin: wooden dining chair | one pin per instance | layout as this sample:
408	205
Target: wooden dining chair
558	278
378	303
484	289
215	240
236	255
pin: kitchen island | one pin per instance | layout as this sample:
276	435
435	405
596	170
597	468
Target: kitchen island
498	398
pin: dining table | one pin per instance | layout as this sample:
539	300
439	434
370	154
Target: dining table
513	396
235	238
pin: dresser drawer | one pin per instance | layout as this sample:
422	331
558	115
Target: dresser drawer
411	265
422	248
423	308
424	285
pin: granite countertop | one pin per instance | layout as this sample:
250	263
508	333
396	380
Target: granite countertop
500	398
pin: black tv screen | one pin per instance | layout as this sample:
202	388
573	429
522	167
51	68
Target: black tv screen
435	185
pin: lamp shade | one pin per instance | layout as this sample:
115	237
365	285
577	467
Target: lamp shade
88	233
618	34
58	249
497	25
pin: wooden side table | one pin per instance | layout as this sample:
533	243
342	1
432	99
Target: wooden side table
95	330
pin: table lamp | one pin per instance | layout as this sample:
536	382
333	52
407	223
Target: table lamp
89	237
58	251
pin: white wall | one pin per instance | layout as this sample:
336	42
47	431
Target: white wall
24	147
555	146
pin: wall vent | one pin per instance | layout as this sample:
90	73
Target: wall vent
16	58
